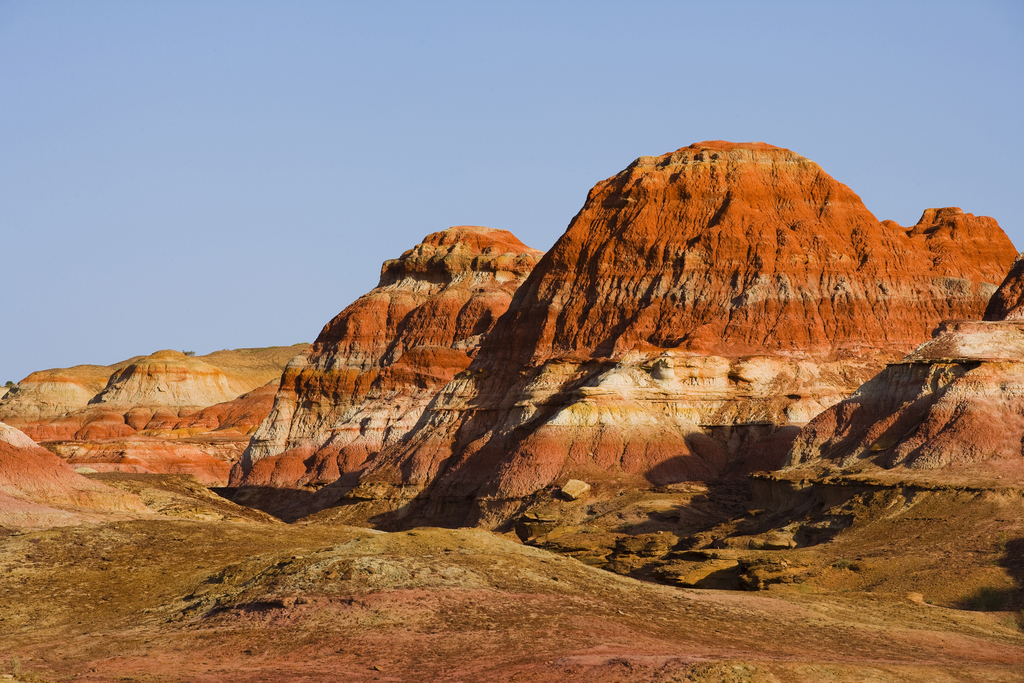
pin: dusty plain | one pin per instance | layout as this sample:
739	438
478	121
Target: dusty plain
205	590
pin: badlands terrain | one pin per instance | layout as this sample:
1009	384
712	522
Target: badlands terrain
730	427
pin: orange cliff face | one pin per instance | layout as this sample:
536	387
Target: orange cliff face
373	369
744	249
697	303
951	411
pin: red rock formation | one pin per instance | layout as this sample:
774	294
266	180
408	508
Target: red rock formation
1008	301
168	412
373	368
205	444
723	289
38	489
209	463
953	406
240	416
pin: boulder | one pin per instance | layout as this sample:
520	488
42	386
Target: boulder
574	489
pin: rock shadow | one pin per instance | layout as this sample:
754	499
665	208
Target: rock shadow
288	505
998	599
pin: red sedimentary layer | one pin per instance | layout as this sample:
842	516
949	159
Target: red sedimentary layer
373	368
161	413
952	406
37	487
745	253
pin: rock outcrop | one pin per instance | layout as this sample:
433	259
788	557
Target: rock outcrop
374	368
953	409
38	489
698	306
49	394
1008	301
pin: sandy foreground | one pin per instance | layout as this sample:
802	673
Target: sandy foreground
209	591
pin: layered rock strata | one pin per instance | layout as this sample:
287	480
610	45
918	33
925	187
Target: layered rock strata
169	412
39	489
951	409
697	303
374	368
144	392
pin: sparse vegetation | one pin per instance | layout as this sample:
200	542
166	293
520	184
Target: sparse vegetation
189	353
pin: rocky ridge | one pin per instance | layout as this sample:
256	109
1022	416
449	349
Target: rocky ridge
374	368
700	307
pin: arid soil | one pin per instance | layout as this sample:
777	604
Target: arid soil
208	591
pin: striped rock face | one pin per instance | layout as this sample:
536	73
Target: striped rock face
374	368
1008	301
952	410
37	489
699	307
164	413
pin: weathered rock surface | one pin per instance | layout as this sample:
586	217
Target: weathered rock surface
1008	301
38	489
953	406
48	394
374	368
167	378
168	412
697	303
210	463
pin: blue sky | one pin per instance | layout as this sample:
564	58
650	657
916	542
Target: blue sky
207	175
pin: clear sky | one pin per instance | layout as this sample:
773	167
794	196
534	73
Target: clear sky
207	175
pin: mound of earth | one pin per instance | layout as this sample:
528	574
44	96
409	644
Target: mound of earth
165	378
168	412
952	410
374	368
700	307
39	489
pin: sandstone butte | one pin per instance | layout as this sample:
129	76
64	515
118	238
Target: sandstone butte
375	367
700	307
39	489
950	412
167	412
